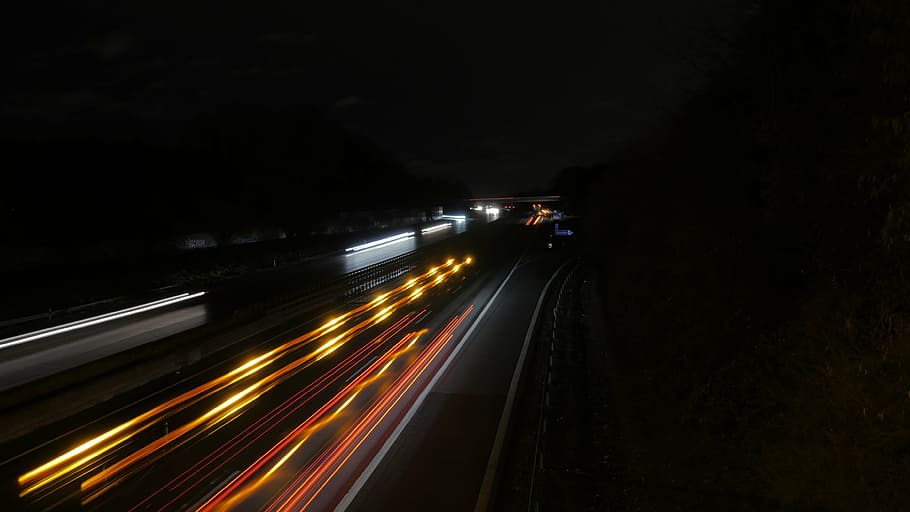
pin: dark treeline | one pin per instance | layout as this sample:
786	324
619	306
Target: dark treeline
238	167
754	262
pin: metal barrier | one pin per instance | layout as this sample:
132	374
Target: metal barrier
341	289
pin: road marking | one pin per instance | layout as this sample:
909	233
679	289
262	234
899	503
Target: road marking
377	459
486	488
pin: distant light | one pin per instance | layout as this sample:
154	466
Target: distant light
492	210
377	243
95	320
562	232
477	208
435	228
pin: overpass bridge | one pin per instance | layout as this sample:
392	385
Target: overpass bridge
515	199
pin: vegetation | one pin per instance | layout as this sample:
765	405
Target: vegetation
754	263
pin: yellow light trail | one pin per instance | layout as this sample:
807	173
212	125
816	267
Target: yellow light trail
306	429
264	422
81	455
307	487
268	382
88	451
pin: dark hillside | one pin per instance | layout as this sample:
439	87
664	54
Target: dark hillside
754	263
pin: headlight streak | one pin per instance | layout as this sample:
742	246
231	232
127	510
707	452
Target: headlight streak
77	462
206	467
95	320
52	470
214	416
381	242
303	429
288	455
309	484
103	481
437	227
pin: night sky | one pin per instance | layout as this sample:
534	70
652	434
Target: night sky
502	95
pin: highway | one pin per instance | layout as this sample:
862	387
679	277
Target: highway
441	457
27	362
351	410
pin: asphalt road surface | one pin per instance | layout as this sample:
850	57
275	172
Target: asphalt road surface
391	402
441	458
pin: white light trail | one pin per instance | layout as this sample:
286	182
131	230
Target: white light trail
435	228
95	320
453	217
381	242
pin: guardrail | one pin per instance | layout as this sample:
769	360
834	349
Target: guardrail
340	289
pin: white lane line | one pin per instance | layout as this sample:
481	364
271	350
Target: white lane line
107	317
362	479
486	488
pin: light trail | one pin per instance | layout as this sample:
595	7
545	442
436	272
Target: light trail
308	486
208	465
381	242
76	462
304	429
245	484
95	320
437	227
112	475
